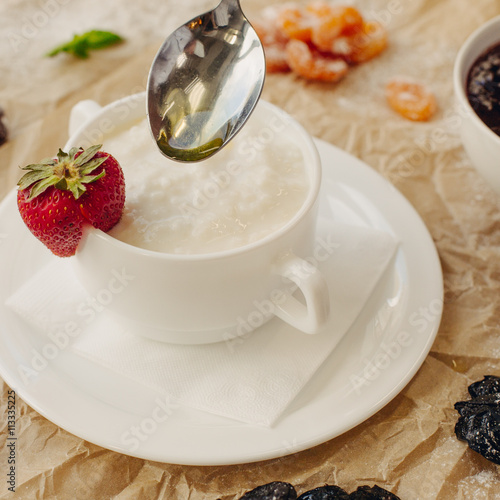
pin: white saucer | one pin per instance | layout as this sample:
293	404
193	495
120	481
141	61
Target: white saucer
372	364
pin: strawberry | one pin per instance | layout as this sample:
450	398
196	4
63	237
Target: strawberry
58	197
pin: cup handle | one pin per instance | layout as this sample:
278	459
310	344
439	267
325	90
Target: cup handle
81	113
312	315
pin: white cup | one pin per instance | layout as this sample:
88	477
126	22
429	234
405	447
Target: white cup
203	298
480	142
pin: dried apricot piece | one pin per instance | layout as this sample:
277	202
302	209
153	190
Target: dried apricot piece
410	99
335	36
276	60
295	22
367	43
319	8
273	41
312	65
338	21
352	20
266	25
326	31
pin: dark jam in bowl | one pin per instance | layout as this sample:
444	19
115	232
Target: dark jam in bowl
483	87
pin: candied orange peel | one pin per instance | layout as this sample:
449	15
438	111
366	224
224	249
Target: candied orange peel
295	23
338	22
411	99
274	43
318	40
311	64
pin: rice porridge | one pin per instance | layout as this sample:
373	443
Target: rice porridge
248	190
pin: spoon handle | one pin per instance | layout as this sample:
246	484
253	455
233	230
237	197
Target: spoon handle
235	4
232	7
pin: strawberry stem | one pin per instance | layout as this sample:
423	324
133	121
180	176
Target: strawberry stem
67	172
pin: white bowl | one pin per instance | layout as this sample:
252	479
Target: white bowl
480	142
203	298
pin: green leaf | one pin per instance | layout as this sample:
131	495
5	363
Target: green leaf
66	173
69	47
79	48
41	186
47	163
77	189
80	45
62	184
30	178
91	165
61	155
39	166
92	178
56	50
87	154
96	39
72	152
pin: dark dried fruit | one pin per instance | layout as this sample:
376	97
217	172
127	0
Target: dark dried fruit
272	491
374	493
3	129
285	491
479	422
490	385
327	492
483	88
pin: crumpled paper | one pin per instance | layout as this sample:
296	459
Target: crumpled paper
409	446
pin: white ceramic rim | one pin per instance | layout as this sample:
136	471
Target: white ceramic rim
315	178
461	70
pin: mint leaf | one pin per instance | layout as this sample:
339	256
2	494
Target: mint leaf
80	45
101	39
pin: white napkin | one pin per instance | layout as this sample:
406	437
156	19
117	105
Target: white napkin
251	379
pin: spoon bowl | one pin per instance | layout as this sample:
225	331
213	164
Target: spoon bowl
204	83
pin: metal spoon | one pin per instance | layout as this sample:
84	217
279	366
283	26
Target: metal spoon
204	83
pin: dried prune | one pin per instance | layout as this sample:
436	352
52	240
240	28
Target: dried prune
276	490
479	422
327	492
483	88
373	493
3	129
284	491
489	385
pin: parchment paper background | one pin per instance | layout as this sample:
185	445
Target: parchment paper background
409	447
